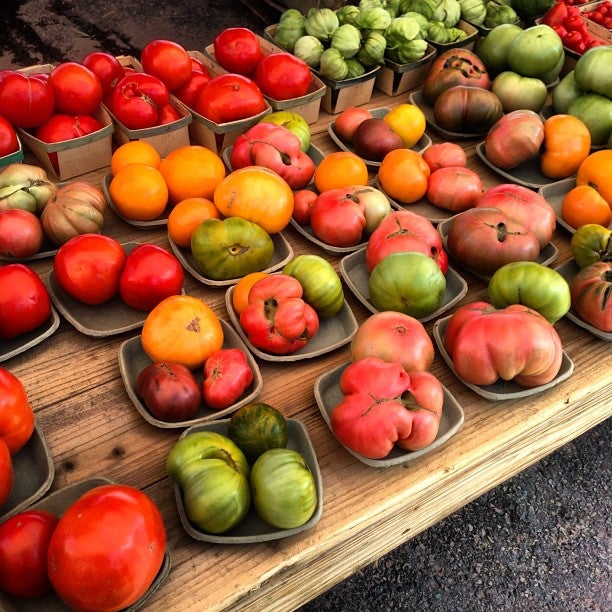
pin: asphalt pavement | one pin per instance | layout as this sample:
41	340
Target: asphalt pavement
541	541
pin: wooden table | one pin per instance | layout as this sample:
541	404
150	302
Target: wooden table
93	429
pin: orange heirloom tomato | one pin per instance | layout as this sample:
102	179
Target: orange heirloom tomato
404	175
340	169
16	414
182	329
256	194
596	171
186	216
567	143
240	294
139	192
583	205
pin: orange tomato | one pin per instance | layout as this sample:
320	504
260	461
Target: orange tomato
240	293
596	171
191	171
583	205
134	152
567	143
256	194
139	192
403	175
186	216
340	169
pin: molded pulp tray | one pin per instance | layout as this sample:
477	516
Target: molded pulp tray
333	333
23	342
501	389
57	503
253	529
306	232
46	250
356	276
133	359
328	395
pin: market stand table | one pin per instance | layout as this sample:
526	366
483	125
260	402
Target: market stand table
93	430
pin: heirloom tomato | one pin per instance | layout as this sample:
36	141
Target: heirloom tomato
227	375
16	414
24	544
134	152
537	51
444	154
514	343
383	405
65	127
7	473
591	243
237	50
168	61
9	142
107	548
583	204
595	111
25	100
88	267
467	110
21	233
591	291
393	337
294	122
24	301
403	175
186	216
77	90
106	67
348	120
240	292
182	329
596	171
340	169
454	188
567	143
282	76
150	274
303	199
408	121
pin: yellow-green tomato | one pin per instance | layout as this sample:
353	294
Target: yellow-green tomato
532	284
283	488
212	473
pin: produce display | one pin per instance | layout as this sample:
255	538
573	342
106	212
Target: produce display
254	477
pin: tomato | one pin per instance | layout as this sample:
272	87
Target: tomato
591	291
303	199
454	188
595	111
150	274
582	205
7	472
403	175
65	127
168	114
9	143
283	488
230	97
596	170
189	91
24	301
408	121
106	67
340	169
567	143
590	243
77	90
537	51
186	216
444	154
137	99
168	61
393	337
21	233
88	267
348	120
227	375
237	50
25	101
170	391
24	543
16	414
466	109
107	548
383	405
282	76
240	292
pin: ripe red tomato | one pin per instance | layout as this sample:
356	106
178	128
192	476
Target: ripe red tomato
25	100
283	76
238	50
151	274
88	267
349	120
62	127
24	301
168	114
7	472
21	233
16	414
8	138
227	374
443	154
77	90
230	97
112	540
136	98
454	188
168	61
106	67
188	92
24	542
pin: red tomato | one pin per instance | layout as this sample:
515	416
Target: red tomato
349	120
227	374
443	154
453	188
229	97
168	61
150	275
168	114
136	99
106	67
337	219
24	542
25	100
65	127
88	267
303	199
283	76
21	233
591	289
16	414
77	90
24	301
237	50
7	473
106	549
8	138
188	92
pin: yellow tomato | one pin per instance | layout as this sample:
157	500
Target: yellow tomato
408	121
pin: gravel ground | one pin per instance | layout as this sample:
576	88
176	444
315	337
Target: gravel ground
541	541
